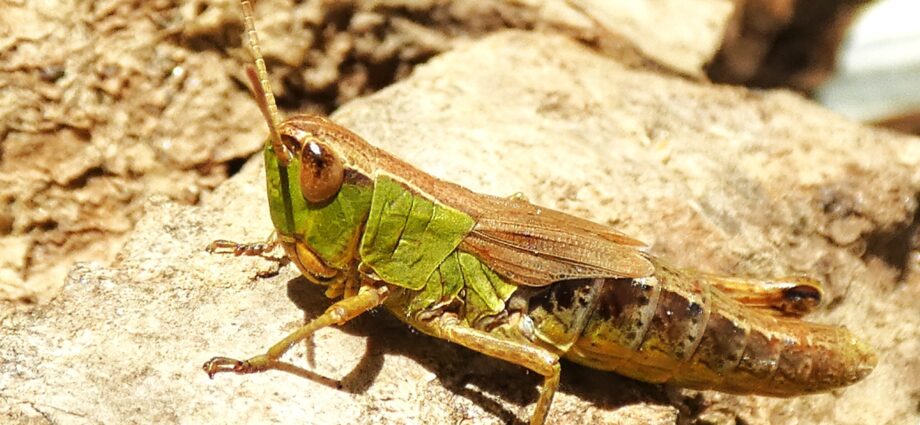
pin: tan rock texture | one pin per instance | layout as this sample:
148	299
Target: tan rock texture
105	103
97	112
712	177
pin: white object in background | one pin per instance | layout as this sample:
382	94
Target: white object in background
878	72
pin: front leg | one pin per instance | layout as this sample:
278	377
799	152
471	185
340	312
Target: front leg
530	356
252	249
221	246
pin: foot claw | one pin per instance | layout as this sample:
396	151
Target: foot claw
221	245
224	364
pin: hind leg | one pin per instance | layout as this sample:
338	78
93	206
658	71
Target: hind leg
530	356
789	296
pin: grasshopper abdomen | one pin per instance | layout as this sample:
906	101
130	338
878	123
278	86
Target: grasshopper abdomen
675	327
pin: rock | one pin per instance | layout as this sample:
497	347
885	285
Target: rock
102	106
715	178
98	111
683	36
358	46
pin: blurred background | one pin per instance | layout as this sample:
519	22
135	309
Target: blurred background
877	73
859	58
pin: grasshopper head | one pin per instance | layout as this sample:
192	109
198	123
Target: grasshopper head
318	200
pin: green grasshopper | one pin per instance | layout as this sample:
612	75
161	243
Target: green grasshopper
522	283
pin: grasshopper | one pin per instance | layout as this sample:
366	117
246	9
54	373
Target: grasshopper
519	282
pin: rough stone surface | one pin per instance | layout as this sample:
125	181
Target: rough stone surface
101	106
716	178
104	103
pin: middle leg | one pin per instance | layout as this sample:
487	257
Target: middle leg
339	313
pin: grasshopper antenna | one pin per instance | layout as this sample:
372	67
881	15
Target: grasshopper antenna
261	89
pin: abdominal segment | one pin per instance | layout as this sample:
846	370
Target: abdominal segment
673	327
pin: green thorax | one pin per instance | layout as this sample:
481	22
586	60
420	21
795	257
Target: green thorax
408	236
411	242
408	240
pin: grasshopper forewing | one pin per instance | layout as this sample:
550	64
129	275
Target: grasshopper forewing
519	282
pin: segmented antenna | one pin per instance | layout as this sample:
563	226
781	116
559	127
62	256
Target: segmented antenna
262	90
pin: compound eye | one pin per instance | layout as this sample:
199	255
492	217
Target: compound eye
321	172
